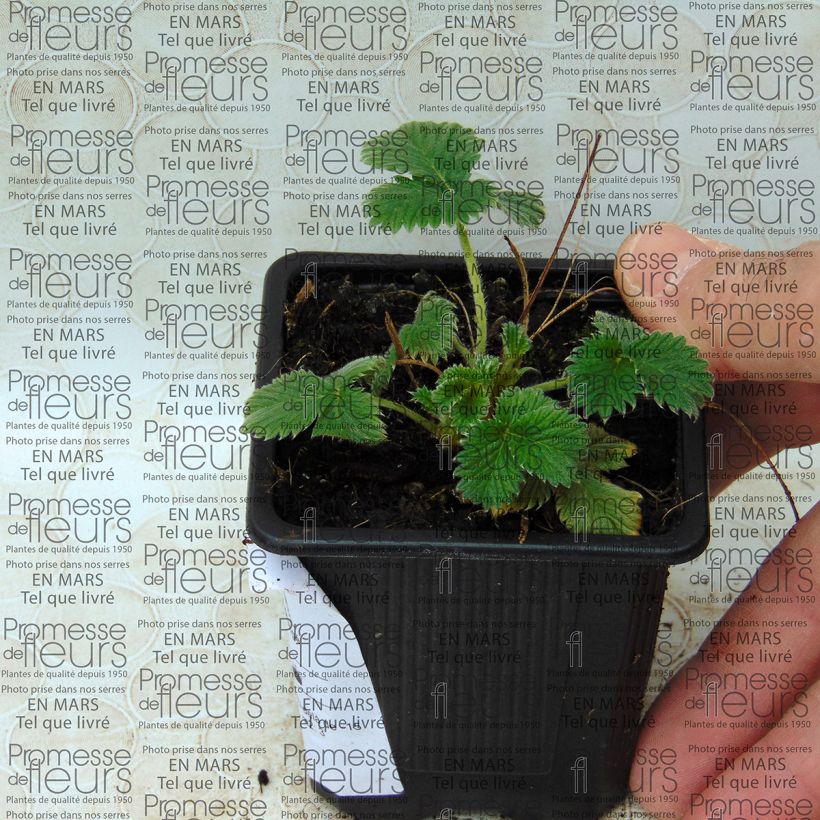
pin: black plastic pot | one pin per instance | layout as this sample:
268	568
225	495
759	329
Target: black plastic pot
510	676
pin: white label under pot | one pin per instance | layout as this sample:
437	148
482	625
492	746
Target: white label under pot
346	749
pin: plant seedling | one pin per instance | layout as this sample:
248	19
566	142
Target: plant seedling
517	442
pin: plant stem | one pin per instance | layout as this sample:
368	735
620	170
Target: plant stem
550	319
478	291
456	298
419	363
525	280
394	337
553	384
548	267
410	414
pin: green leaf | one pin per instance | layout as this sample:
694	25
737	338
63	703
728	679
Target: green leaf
672	372
523	208
625	330
294	401
487	469
383	371
533	493
548	440
361	369
444	151
667	369
514	341
424	397
602	376
283	408
407	202
469	200
348	413
529	434
431	334
596	506
464	393
605	451
433	161
519	402
404	203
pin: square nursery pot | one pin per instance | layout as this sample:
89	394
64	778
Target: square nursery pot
544	647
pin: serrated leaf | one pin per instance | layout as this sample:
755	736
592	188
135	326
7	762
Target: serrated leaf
443	151
596	506
529	434
534	493
431	334
283	408
469	199
672	372
409	202
516	403
294	401
523	208
625	330
602	376
361	369
550	440
464	393
424	397
404	203
514	341
348	413
605	451
668	369
488	472
384	372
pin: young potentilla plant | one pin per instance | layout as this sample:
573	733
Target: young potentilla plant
517	442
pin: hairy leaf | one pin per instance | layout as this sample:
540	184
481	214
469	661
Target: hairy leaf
362	369
602	376
549	441
404	203
431	334
523	208
433	161
520	402
424	397
464	393
534	493
488	471
410	202
596	506
442	151
383	371
284	407
348	413
294	401
672	372
514	341
529	434
622	360
624	330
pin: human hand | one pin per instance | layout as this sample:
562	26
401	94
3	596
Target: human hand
735	732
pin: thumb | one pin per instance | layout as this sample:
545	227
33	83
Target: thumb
750	313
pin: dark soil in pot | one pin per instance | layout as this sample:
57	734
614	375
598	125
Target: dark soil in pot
400	484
